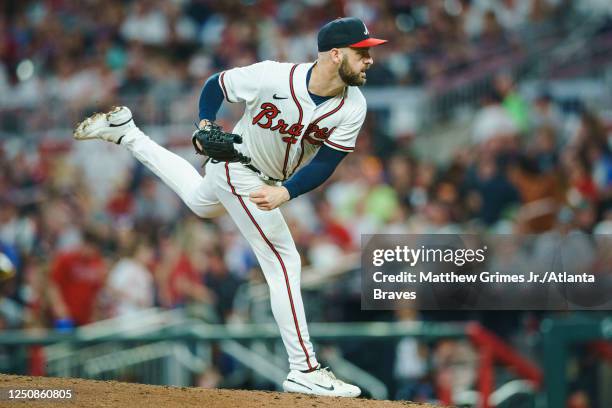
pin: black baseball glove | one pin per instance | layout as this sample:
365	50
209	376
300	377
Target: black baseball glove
218	145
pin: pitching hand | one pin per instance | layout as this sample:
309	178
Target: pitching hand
269	197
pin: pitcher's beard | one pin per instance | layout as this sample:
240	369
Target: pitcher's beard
350	78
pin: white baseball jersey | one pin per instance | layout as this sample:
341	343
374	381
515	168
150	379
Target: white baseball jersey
282	128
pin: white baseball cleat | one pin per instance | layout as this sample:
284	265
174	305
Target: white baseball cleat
319	382
111	126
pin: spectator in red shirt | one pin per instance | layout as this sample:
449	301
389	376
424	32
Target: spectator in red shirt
177	278
332	228
76	278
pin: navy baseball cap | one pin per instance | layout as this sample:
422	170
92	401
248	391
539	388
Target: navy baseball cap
346	32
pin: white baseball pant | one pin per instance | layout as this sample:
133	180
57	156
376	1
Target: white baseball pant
226	187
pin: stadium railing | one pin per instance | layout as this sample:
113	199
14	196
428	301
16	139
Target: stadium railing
139	342
557	336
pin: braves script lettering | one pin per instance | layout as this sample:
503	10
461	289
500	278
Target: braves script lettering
265	119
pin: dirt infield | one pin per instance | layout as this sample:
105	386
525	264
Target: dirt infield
89	393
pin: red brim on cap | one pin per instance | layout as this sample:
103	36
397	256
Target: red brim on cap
368	42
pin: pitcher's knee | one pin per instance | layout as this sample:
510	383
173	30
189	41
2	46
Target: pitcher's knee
195	204
196	210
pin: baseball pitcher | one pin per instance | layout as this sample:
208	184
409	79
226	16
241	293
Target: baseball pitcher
299	122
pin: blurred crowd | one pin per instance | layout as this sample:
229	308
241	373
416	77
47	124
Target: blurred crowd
86	54
531	167
83	239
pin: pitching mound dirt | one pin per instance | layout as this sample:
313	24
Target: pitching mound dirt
89	393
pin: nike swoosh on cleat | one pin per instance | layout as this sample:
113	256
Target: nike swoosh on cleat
295	382
279	97
330	388
121	124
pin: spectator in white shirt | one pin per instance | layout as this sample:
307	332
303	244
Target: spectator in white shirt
130	286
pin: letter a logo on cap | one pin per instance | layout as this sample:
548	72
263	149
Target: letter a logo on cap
346	32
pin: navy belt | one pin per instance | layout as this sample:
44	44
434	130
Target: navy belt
261	174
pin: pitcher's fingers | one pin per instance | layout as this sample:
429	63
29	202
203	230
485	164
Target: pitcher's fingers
258	200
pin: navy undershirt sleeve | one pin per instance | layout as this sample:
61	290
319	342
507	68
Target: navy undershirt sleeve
314	173
211	98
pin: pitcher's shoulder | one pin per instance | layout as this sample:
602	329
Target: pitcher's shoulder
271	64
356	99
